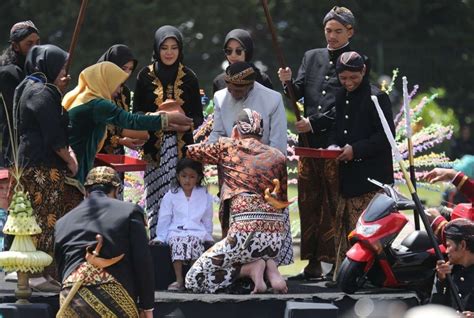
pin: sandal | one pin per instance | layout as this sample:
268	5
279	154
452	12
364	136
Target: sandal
175	286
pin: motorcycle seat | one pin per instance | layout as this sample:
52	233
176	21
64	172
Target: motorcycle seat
417	241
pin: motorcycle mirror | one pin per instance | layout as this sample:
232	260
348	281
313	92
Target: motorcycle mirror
377	183
386	187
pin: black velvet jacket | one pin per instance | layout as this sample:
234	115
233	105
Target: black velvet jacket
42	125
149	93
463	278
10	76
317	82
122	227
358	124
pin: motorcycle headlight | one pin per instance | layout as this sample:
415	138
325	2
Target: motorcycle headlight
367	230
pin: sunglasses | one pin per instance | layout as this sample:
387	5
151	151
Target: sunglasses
238	51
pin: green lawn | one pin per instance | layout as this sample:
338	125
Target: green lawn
432	198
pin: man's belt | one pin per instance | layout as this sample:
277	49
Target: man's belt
253	216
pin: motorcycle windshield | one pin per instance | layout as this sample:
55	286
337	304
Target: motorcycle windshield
380	206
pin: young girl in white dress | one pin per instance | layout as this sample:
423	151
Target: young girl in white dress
185	220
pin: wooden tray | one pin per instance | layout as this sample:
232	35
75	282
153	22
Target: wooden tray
121	163
317	153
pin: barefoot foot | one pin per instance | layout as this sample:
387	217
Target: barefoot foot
273	275
255	271
257	277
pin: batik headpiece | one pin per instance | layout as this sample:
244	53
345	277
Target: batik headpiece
342	15
103	175
21	30
240	73
249	122
460	229
350	61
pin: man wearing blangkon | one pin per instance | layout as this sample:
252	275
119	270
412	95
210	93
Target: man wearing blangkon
317	83
115	270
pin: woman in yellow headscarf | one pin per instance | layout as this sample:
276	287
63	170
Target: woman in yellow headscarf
90	109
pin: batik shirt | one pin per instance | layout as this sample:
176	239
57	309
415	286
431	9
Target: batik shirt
247	165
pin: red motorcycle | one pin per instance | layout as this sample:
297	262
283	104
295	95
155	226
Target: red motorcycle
373	258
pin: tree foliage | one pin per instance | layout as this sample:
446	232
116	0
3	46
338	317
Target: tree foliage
429	41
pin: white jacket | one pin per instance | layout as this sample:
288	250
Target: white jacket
263	100
180	217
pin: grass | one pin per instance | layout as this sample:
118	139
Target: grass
428	197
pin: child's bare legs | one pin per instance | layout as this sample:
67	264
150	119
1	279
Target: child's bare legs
273	275
255	272
178	271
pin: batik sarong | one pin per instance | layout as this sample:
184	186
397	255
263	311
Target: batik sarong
185	248
100	295
158	179
347	214
317	202
51	198
255	233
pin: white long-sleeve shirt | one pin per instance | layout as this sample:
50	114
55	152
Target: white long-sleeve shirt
263	100
182	217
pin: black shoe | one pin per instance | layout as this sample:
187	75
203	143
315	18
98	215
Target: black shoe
331	284
329	276
304	276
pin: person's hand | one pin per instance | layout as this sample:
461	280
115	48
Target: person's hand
176	118
303	126
440	174
131	143
72	164
347	153
333	147
442	269
432	214
178	128
63	82
469	314
146	314
284	74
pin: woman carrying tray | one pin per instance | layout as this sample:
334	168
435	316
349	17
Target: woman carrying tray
91	108
116	139
366	152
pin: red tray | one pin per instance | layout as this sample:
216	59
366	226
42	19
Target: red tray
121	163
317	153
4	173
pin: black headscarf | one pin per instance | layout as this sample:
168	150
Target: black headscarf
244	38
167	73
47	59
118	54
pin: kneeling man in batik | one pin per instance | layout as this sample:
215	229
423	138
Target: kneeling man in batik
251	169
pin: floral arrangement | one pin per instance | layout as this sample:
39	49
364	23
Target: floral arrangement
22	257
424	137
134	183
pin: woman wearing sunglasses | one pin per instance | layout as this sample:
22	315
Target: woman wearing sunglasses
238	47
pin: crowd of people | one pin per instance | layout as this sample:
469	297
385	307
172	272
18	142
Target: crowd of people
101	243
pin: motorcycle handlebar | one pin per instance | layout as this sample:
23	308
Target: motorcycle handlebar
402	202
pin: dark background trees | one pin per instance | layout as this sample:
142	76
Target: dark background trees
431	42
